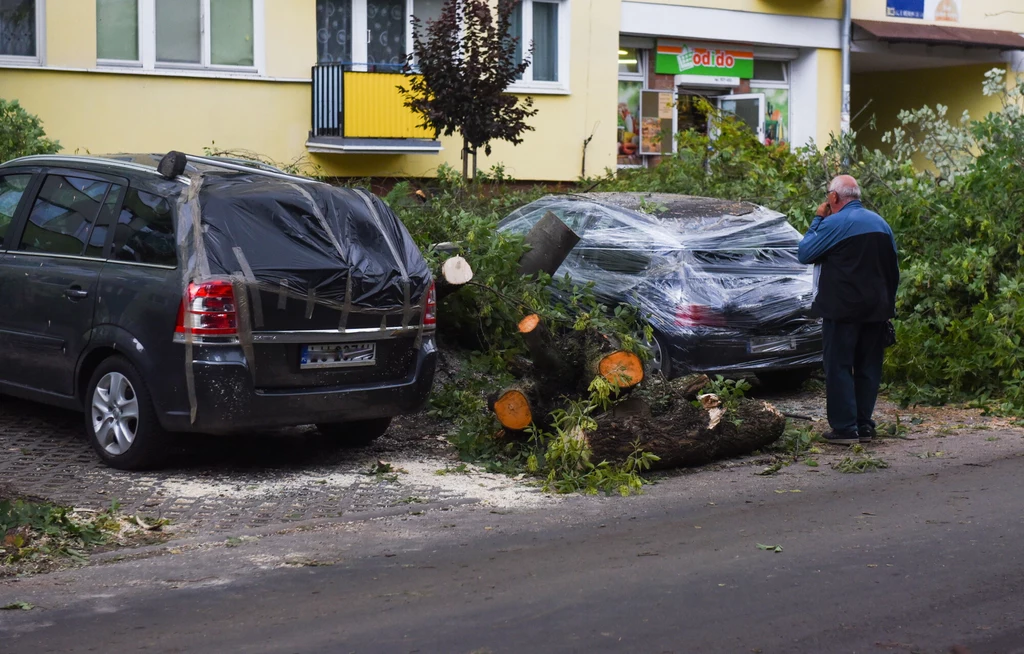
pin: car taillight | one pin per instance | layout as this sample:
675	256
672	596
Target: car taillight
208	309
430	308
698	315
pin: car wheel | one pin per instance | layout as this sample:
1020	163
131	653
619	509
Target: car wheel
119	417
784	380
357	433
659	361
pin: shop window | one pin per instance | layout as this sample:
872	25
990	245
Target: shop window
631	84
771	80
767	70
629	62
20	21
179	33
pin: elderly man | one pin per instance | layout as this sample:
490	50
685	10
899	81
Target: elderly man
856	296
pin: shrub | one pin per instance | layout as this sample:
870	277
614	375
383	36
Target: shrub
21	133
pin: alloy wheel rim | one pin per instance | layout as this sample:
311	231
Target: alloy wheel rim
654	365
115	413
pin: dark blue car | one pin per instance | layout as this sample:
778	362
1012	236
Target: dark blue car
718	280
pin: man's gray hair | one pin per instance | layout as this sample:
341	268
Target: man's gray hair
845	187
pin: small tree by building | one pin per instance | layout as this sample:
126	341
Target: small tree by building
21	133
464	62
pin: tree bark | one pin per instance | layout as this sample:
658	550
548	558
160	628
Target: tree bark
661	417
690	435
550	242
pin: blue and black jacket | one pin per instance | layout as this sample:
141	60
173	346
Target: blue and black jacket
859	266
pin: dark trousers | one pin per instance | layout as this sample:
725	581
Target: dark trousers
853	372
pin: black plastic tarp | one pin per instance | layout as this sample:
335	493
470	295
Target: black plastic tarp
311	238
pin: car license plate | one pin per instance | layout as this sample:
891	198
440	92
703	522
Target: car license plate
338	355
770	344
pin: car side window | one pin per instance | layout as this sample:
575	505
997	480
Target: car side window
144	231
12	188
104	220
63	215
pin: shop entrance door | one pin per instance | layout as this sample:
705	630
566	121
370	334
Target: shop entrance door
747	107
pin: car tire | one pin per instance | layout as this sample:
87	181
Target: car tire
659	361
784	380
119	417
356	433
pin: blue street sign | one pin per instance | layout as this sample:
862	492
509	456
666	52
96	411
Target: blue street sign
904	8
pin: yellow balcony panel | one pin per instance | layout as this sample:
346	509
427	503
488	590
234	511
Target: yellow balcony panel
373	108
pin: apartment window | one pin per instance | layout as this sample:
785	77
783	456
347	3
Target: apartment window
545	25
21	22
117	30
386	24
179	33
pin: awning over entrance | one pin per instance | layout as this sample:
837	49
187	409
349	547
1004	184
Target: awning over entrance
941	35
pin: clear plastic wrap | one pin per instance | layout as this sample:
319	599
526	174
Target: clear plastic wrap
719	281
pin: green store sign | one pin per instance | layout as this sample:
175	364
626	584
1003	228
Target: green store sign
678	58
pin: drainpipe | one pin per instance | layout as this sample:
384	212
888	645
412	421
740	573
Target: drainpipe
844	118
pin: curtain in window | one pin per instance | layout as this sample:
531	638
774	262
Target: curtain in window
386	21
117	29
18	28
427	10
545	41
178	32
231	33
334	31
515	29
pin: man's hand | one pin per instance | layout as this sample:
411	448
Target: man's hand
824	210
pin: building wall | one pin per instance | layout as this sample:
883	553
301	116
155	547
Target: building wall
980	14
153	111
958	88
810	8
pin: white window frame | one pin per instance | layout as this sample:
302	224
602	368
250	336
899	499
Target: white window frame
786	85
528	84
147	43
40	57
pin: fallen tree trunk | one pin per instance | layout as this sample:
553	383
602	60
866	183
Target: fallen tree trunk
663	420
549	242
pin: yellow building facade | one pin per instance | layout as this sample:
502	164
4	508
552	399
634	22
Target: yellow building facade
613	80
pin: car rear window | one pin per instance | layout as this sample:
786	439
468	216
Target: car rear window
144	232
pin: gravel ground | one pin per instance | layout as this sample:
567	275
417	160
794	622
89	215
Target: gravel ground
274	480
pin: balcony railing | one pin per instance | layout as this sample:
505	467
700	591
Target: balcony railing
356	104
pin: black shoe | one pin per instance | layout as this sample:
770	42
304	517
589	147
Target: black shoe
841	438
867	433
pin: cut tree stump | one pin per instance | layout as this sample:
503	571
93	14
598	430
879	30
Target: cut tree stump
455	273
621	369
512	408
549	242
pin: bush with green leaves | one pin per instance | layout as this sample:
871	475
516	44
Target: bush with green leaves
21	133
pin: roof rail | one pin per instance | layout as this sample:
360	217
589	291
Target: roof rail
173	165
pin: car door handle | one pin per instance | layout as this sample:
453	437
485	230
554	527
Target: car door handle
75	293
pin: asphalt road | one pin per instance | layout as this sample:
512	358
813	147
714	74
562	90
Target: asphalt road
912	562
